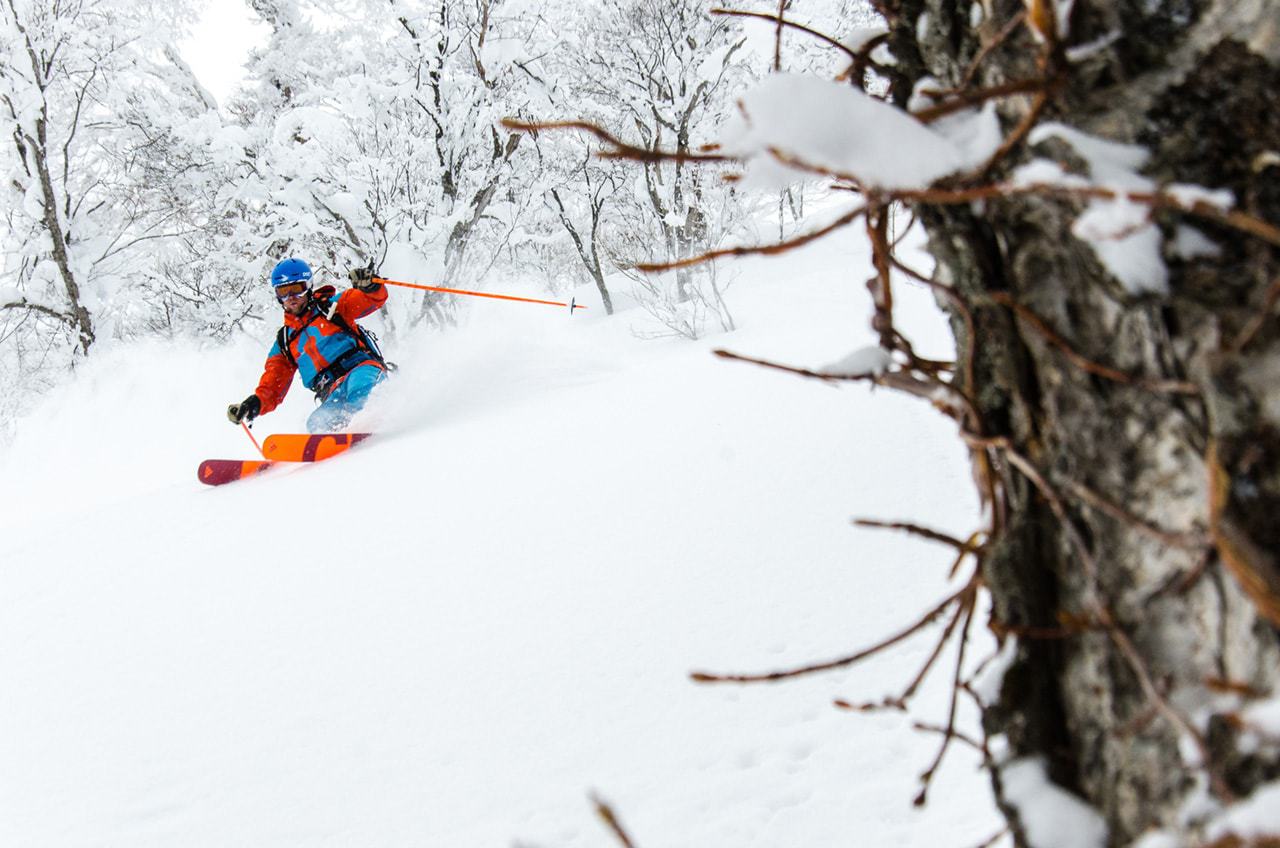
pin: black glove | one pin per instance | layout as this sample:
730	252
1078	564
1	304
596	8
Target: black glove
245	410
362	278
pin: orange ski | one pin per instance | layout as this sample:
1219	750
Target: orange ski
215	472
305	447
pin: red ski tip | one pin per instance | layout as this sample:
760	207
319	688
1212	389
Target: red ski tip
216	472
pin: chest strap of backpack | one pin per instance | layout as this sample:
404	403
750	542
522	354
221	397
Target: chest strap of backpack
336	370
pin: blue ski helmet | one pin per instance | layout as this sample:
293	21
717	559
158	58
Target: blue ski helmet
289	271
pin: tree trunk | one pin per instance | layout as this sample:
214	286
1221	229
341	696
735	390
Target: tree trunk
77	315
1150	638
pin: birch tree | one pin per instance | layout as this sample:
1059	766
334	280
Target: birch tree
1097	184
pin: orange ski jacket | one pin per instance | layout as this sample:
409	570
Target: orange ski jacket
316	342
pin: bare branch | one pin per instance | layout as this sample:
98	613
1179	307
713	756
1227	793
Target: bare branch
900	702
917	530
782	22
1158	200
41	309
1259	320
1020	132
968	99
920	624
801	372
952	732
967	605
1193	541
610	818
763	250
1180	387
621	149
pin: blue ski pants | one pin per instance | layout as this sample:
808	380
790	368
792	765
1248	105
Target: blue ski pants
346	399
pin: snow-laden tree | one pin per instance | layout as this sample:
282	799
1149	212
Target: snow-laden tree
392	145
1120	348
566	236
659	75
86	89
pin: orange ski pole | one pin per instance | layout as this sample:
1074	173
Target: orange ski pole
572	304
252	439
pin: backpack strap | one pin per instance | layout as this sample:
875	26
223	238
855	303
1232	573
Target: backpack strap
364	350
282	341
284	338
360	334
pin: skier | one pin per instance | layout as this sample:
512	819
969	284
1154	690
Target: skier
337	359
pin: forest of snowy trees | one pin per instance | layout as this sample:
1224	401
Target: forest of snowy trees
1096	179
137	205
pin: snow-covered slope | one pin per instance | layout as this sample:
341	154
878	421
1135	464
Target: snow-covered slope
455	634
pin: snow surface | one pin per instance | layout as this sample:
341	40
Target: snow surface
454	634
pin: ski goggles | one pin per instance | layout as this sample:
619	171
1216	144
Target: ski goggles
291	290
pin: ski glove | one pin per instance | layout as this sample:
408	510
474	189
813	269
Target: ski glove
362	278
245	410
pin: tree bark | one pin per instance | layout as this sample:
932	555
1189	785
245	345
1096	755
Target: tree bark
1156	481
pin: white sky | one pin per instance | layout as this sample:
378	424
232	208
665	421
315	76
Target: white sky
220	44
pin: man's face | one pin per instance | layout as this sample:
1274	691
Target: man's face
293	297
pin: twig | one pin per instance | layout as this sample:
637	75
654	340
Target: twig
918	362
1234	687
917	530
967	99
622	150
965	313
881	288
933	657
921	623
1193	576
1001	38
802	372
972	547
1140	670
1260	318
994	838
967	605
1180	387
1191	541
1159	200
955	734
777	39
900	702
1019	133
857	71
911	222
1027	631
607	815
764	250
782	22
